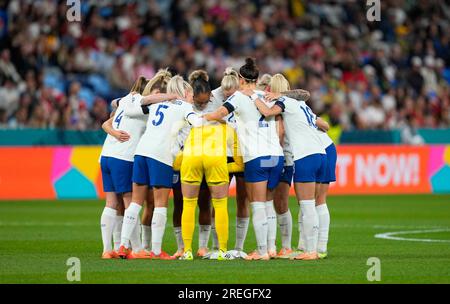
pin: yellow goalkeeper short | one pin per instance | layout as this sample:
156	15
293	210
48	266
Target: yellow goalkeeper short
214	169
205	154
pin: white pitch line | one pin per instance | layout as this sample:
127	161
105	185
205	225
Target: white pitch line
407	227
391	236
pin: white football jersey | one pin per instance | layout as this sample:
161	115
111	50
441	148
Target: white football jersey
217	100
257	134
325	139
301	129
181	138
165	121
135	127
288	155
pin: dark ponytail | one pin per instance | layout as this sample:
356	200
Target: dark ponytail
199	82
249	71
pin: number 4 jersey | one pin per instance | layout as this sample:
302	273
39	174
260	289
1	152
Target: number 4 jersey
300	127
134	126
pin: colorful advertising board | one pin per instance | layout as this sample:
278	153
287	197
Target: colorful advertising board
74	172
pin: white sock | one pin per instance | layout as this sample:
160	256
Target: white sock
179	238
135	239
215	238
310	224
241	232
158	226
285	223
324	227
260	225
130	219
146	236
271	225
117	232
203	236
301	235
107	223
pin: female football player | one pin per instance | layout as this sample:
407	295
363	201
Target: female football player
323	185
262	152
205	156
281	195
229	85
116	166
153	162
128	131
309	161
202	93
322	192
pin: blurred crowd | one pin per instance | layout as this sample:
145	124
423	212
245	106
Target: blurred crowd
390	74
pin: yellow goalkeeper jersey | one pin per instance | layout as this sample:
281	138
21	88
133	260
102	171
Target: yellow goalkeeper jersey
205	154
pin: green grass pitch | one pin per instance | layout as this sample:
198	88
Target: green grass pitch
37	238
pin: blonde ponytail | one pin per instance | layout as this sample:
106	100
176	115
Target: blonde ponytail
158	82
230	79
279	84
177	85
263	82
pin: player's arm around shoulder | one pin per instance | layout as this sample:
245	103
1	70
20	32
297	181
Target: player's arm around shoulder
218	115
157	98
275	110
298	94
120	135
132	108
228	107
322	124
194	119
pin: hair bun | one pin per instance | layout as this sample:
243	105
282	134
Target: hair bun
198	74
250	62
249	71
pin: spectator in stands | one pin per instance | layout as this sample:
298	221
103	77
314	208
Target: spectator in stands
99	113
3	118
7	68
389	69
409	133
9	96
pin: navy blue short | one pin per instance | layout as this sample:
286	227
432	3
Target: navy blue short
330	171
153	173
287	174
176	183
265	168
116	174
310	168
